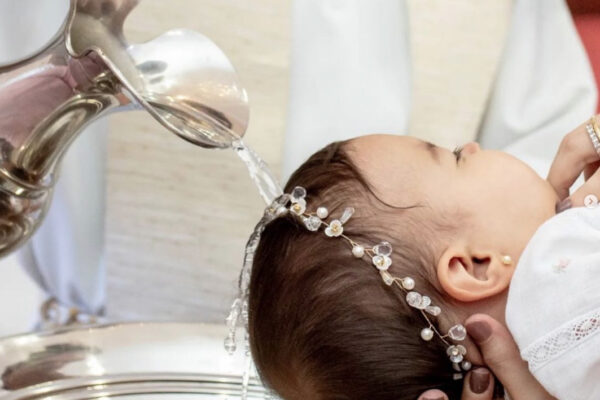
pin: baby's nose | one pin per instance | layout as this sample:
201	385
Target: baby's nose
471	147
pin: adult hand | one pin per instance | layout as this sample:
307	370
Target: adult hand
478	385
576	154
502	357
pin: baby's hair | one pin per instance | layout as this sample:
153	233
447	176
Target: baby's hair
322	324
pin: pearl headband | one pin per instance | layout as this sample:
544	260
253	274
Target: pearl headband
378	255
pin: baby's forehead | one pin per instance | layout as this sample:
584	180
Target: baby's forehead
390	163
383	146
380	152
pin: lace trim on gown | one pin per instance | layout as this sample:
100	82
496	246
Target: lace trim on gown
562	339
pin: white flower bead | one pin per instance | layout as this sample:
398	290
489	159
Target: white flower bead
334	229
382	262
298	207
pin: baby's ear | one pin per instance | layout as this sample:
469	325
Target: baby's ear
471	276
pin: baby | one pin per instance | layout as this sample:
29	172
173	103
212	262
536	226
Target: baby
322	322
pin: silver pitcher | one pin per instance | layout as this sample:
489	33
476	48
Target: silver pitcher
87	71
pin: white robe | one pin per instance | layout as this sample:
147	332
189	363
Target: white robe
351	75
553	308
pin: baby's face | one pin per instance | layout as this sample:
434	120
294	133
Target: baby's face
505	200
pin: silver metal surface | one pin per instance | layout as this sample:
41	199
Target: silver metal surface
124	361
88	70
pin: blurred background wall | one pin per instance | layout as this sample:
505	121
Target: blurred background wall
178	216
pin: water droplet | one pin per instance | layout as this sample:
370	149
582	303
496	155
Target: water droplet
230	345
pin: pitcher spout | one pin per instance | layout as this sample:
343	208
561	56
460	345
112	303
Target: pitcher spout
88	70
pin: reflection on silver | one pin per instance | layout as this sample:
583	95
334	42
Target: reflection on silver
131	361
88	70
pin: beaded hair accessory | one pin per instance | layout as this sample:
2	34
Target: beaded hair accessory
378	255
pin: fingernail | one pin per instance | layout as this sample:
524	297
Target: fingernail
479	330
433	397
563	205
480	380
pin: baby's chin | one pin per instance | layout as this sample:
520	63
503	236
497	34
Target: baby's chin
545	197
538	188
542	192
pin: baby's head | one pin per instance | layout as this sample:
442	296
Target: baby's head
323	325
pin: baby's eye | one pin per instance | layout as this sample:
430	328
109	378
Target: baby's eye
457	152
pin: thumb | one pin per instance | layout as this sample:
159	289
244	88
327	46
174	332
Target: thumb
502	356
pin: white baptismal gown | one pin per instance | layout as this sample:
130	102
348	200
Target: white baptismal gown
553	308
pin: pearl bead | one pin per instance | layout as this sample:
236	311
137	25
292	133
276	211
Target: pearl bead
408	283
358	251
427	334
506	260
322	212
466	365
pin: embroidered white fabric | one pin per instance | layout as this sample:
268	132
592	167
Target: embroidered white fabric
562	340
553	305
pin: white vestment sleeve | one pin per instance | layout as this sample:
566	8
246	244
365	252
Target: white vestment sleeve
349	73
545	86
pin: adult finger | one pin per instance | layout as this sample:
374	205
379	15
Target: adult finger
574	154
478	385
501	355
433	394
590	169
590	187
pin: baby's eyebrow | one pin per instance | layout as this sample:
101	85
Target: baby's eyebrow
432	150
